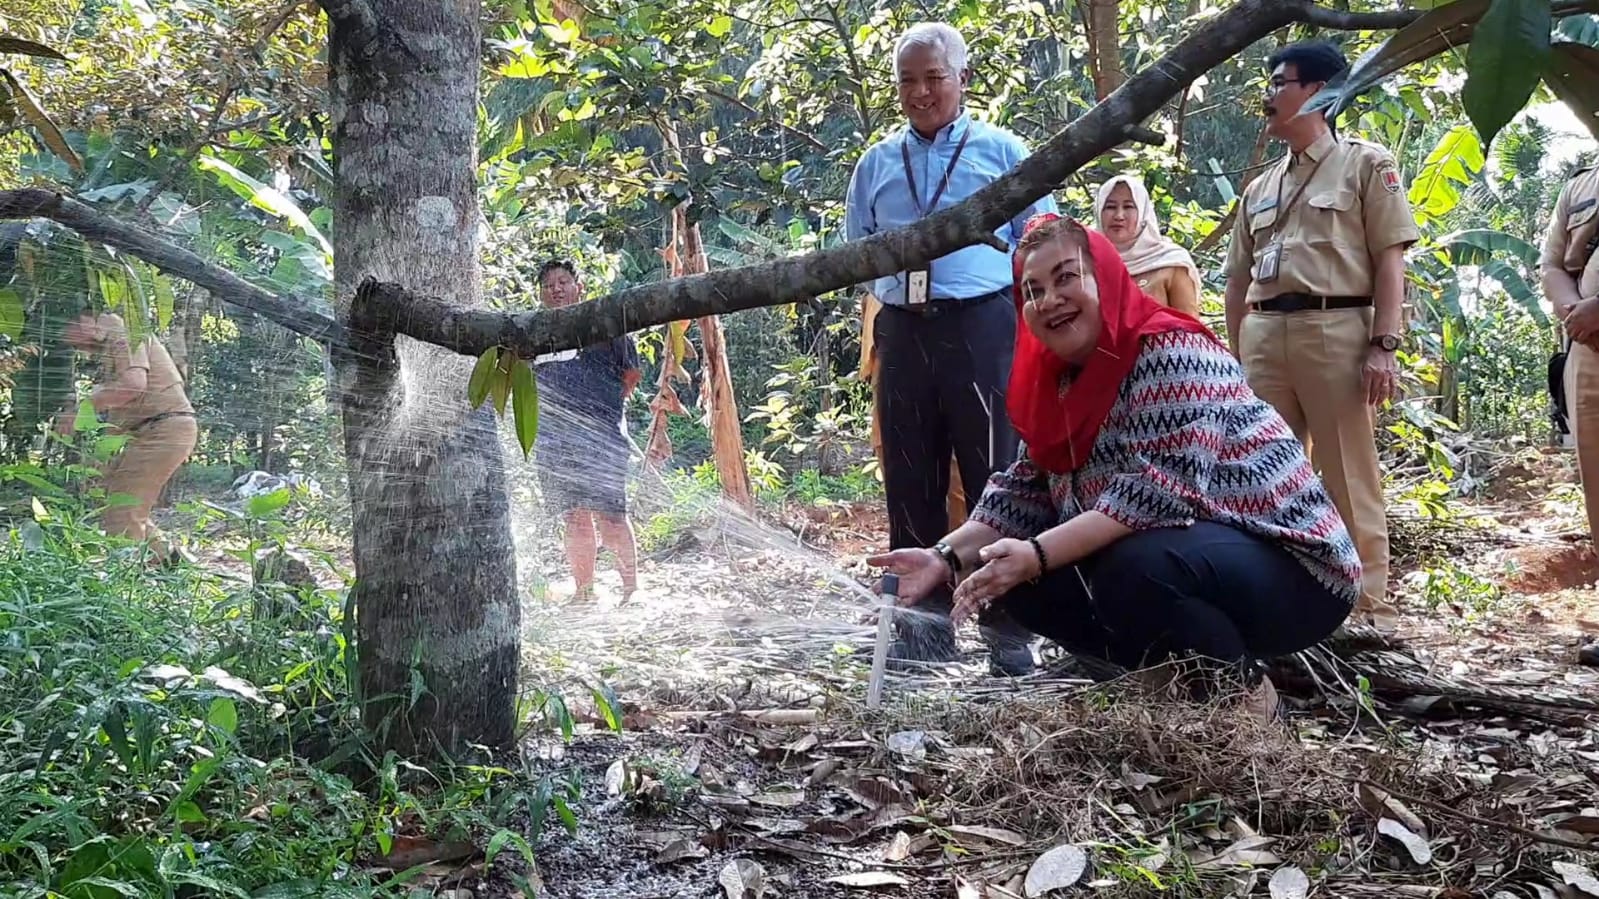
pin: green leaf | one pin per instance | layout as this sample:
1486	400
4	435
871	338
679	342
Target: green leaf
263	197
1452	162
1436	32
223	715
265	505
116	732
41	121
164	301
1517	288
720	26
477	387
1508	52
525	404
186	812
9	44
568	817
1478	245
609	705
500	384
13	318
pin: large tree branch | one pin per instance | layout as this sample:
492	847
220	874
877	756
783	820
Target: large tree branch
290	312
388	307
788	280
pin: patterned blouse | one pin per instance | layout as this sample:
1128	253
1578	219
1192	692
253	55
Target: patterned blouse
1187	440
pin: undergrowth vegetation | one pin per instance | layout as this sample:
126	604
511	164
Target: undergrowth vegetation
171	733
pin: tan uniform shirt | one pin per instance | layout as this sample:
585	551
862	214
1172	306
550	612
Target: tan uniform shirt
1352	208
163	390
1573	226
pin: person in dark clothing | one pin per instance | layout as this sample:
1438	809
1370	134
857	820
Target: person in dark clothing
943	337
582	446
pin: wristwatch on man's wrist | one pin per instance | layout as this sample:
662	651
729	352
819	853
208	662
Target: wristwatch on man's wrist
948	554
1386	342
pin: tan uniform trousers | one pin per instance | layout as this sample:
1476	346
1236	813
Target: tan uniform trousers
1309	365
1582	403
140	471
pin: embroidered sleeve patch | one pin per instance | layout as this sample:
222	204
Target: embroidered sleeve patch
1390	178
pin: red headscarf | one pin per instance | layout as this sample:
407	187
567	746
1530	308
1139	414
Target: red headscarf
1060	428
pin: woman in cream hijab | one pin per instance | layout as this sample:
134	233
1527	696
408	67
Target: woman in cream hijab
1163	269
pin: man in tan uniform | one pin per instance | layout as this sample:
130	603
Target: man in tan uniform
1315	286
1569	267
141	396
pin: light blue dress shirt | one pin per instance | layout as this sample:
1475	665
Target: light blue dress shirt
879	200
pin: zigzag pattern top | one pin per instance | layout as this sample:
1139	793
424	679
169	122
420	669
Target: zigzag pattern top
1187	440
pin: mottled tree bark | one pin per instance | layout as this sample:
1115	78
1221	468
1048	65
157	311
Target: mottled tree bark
434	559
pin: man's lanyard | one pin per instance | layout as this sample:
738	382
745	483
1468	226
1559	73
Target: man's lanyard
910	177
1282	211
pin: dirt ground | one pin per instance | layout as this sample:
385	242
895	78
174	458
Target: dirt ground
749	754
1459	759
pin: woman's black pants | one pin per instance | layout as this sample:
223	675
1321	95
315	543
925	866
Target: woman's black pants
1208	591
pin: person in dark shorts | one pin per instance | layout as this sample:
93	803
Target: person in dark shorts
582	447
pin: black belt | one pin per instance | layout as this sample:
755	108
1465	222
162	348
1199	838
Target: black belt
1301	302
162	417
933	308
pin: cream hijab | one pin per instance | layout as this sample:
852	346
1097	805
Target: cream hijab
1150	250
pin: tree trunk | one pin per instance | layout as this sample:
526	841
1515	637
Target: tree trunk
716	376
685	255
435	568
1101	19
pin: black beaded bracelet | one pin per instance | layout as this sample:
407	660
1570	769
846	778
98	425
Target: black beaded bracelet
1043	560
950	556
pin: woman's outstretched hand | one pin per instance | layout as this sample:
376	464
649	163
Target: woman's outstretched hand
920	572
1007	563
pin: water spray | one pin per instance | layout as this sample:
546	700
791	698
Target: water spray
885	627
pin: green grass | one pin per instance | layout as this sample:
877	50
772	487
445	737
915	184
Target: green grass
159	737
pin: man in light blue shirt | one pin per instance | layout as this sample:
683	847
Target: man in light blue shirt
946	332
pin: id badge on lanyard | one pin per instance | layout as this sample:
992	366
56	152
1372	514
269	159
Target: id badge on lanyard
919	282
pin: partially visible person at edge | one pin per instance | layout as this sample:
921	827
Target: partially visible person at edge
1158	508
1569	266
582	445
943	335
141	396
1162	269
1315	289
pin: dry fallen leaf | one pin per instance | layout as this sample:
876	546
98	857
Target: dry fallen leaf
743	879
991	834
1420	850
1379	804
1248	851
680	850
912	743
1289	883
1056	869
868	879
779	798
410	852
1579	877
616	778
965	889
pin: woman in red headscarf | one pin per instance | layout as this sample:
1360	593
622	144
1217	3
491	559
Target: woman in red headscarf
1157	508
